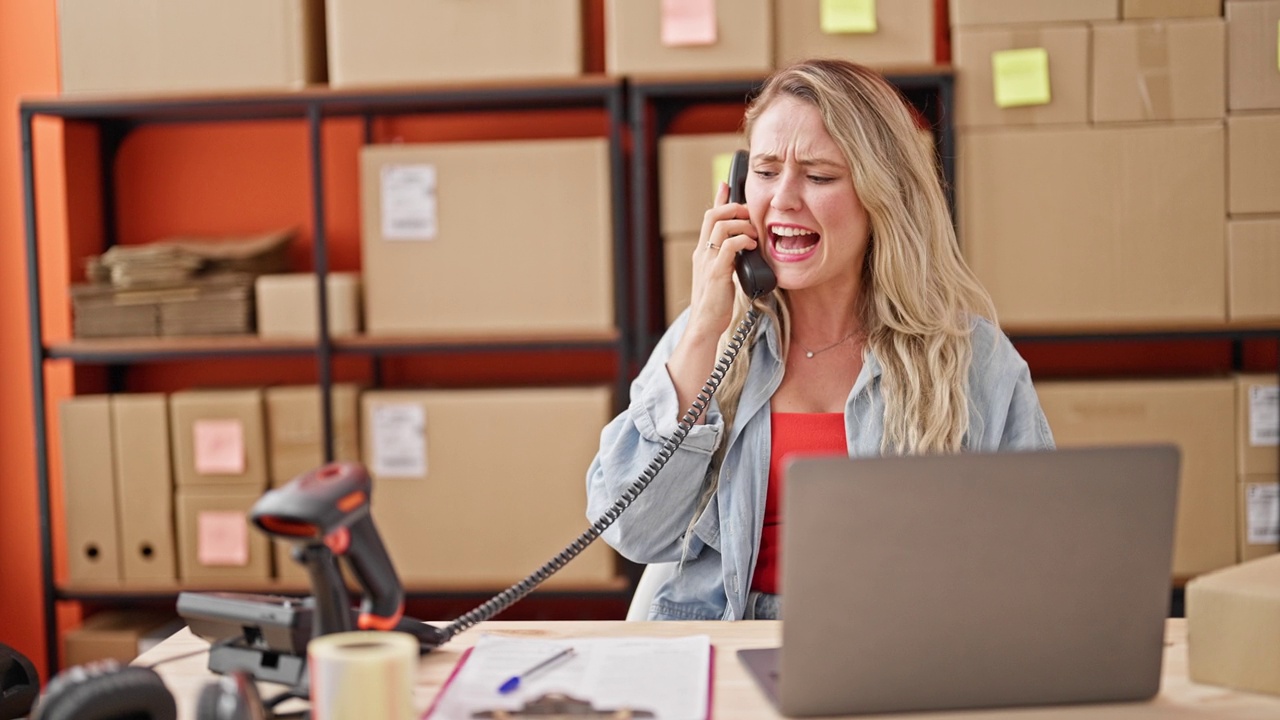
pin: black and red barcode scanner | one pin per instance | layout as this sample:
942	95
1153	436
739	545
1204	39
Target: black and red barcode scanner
326	513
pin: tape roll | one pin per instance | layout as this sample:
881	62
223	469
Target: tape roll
362	675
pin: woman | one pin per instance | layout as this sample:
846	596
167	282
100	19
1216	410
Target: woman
877	340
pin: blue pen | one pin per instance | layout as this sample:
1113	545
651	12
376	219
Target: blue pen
514	682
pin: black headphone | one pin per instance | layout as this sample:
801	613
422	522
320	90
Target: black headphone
107	691
19	684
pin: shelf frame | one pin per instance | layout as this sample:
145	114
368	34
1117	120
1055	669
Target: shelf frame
115	117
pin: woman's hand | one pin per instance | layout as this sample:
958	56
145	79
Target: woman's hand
726	229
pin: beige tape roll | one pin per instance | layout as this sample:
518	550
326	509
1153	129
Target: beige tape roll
362	675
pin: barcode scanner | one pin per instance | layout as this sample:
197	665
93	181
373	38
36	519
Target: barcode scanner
326	513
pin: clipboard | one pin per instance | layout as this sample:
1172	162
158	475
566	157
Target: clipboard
587	692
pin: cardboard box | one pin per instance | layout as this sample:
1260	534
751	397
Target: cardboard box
1064	229
486	237
1159	70
902	33
144	486
295	435
385	42
216	541
116	635
690	169
89	492
1257	516
1195	415
1253	81
1253	162
973	53
219	438
478	488
736	39
287	305
147	46
1257	424
1147	9
295	428
1253	264
1233	620
1002	12
677	259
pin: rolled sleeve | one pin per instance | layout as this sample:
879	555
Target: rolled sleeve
653	527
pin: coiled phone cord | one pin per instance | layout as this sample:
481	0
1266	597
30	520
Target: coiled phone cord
507	597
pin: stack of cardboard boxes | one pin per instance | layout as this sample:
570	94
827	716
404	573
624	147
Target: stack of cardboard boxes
1253	160
1092	186
473	488
1257	466
219	472
238	45
295	444
1092	162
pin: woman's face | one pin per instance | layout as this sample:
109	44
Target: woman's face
813	228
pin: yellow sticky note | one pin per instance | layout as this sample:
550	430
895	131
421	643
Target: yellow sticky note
848	16
1021	77
720	170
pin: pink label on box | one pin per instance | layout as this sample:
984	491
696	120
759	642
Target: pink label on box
688	22
222	538
219	447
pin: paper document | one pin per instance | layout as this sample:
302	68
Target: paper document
661	678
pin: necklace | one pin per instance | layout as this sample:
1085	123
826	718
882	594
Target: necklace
811	353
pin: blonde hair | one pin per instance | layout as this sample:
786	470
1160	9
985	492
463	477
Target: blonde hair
919	298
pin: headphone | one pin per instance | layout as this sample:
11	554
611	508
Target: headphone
19	684
107	691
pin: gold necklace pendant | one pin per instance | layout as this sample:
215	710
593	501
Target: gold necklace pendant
811	353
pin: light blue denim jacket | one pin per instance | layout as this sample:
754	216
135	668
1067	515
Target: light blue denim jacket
1004	414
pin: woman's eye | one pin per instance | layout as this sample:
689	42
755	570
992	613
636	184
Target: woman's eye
820	179
765	173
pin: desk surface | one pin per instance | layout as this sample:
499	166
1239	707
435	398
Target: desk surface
736	695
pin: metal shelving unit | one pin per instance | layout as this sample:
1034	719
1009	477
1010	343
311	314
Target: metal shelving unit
115	118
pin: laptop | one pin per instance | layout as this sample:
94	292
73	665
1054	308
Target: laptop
972	581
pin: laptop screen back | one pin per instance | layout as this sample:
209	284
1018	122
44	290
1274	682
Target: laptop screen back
975	580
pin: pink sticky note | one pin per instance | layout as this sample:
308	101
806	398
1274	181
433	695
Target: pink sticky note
688	22
222	538
219	446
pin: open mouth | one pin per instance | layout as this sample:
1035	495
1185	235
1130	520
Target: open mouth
792	242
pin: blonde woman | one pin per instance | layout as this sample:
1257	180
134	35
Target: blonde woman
877	340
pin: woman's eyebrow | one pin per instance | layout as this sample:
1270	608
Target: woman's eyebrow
807	162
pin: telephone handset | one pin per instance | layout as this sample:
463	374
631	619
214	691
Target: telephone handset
754	274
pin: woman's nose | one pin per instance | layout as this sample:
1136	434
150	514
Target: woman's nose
786	195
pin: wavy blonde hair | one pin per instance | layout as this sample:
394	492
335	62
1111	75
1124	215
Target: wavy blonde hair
919	297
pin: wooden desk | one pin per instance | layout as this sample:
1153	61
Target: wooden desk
736	695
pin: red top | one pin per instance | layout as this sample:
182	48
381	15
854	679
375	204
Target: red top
793	434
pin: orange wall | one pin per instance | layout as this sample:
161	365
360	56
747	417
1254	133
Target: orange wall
28	66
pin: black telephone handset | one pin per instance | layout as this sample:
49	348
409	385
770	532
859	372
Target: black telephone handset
754	274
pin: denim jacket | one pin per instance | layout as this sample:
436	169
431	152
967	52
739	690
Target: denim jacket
713	581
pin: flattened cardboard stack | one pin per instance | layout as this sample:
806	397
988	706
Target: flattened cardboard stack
177	287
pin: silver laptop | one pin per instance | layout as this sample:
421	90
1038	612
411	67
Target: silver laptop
972	581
